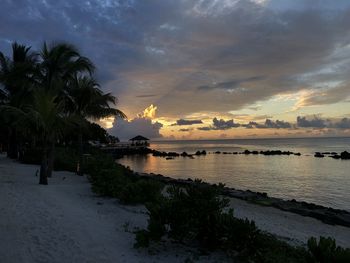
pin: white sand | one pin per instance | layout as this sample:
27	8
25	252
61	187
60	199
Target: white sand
66	222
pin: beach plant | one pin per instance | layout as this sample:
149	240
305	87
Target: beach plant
111	179
326	250
197	213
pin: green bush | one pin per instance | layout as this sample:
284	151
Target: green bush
196	213
111	179
326	250
141	191
66	159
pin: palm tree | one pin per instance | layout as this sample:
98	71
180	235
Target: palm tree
87	101
60	63
17	76
44	117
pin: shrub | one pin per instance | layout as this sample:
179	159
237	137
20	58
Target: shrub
195	213
326	250
141	191
111	179
66	159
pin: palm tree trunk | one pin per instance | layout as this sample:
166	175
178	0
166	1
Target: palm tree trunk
43	167
51	160
81	151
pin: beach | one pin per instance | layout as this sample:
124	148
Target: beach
66	222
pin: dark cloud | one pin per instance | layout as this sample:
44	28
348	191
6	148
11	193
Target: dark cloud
250	52
220	124
314	122
232	84
181	122
318	122
269	124
124	129
342	124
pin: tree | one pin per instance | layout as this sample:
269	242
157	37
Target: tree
60	63
44	117
87	101
17	79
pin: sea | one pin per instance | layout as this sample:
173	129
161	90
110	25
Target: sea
324	181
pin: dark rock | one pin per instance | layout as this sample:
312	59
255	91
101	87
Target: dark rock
345	155
297	154
217	152
318	155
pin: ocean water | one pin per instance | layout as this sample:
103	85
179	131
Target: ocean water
323	181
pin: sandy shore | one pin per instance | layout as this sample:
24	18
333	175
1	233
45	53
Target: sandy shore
66	222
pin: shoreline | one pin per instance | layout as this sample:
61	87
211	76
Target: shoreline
67	221
327	215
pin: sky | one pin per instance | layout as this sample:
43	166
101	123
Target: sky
205	69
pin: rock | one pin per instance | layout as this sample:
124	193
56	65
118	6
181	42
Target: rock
217	152
345	155
246	152
318	155
297	154
184	154
173	154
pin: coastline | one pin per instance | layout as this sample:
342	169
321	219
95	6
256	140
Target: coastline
327	215
66	220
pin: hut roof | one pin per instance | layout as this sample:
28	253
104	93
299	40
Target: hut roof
139	138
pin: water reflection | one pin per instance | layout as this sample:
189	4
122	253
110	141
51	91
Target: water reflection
322	181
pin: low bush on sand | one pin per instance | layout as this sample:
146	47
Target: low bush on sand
111	179
197	214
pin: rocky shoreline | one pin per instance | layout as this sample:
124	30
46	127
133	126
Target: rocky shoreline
327	215
171	155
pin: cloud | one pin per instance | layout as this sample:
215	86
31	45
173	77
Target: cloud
318	122
344	123
238	52
314	122
231	84
220	124
149	112
323	96
181	122
124	129
269	124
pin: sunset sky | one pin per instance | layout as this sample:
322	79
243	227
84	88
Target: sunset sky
200	69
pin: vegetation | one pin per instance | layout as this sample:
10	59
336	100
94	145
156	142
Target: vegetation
111	179
46	95
196	214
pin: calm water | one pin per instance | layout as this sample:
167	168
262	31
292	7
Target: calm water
323	181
